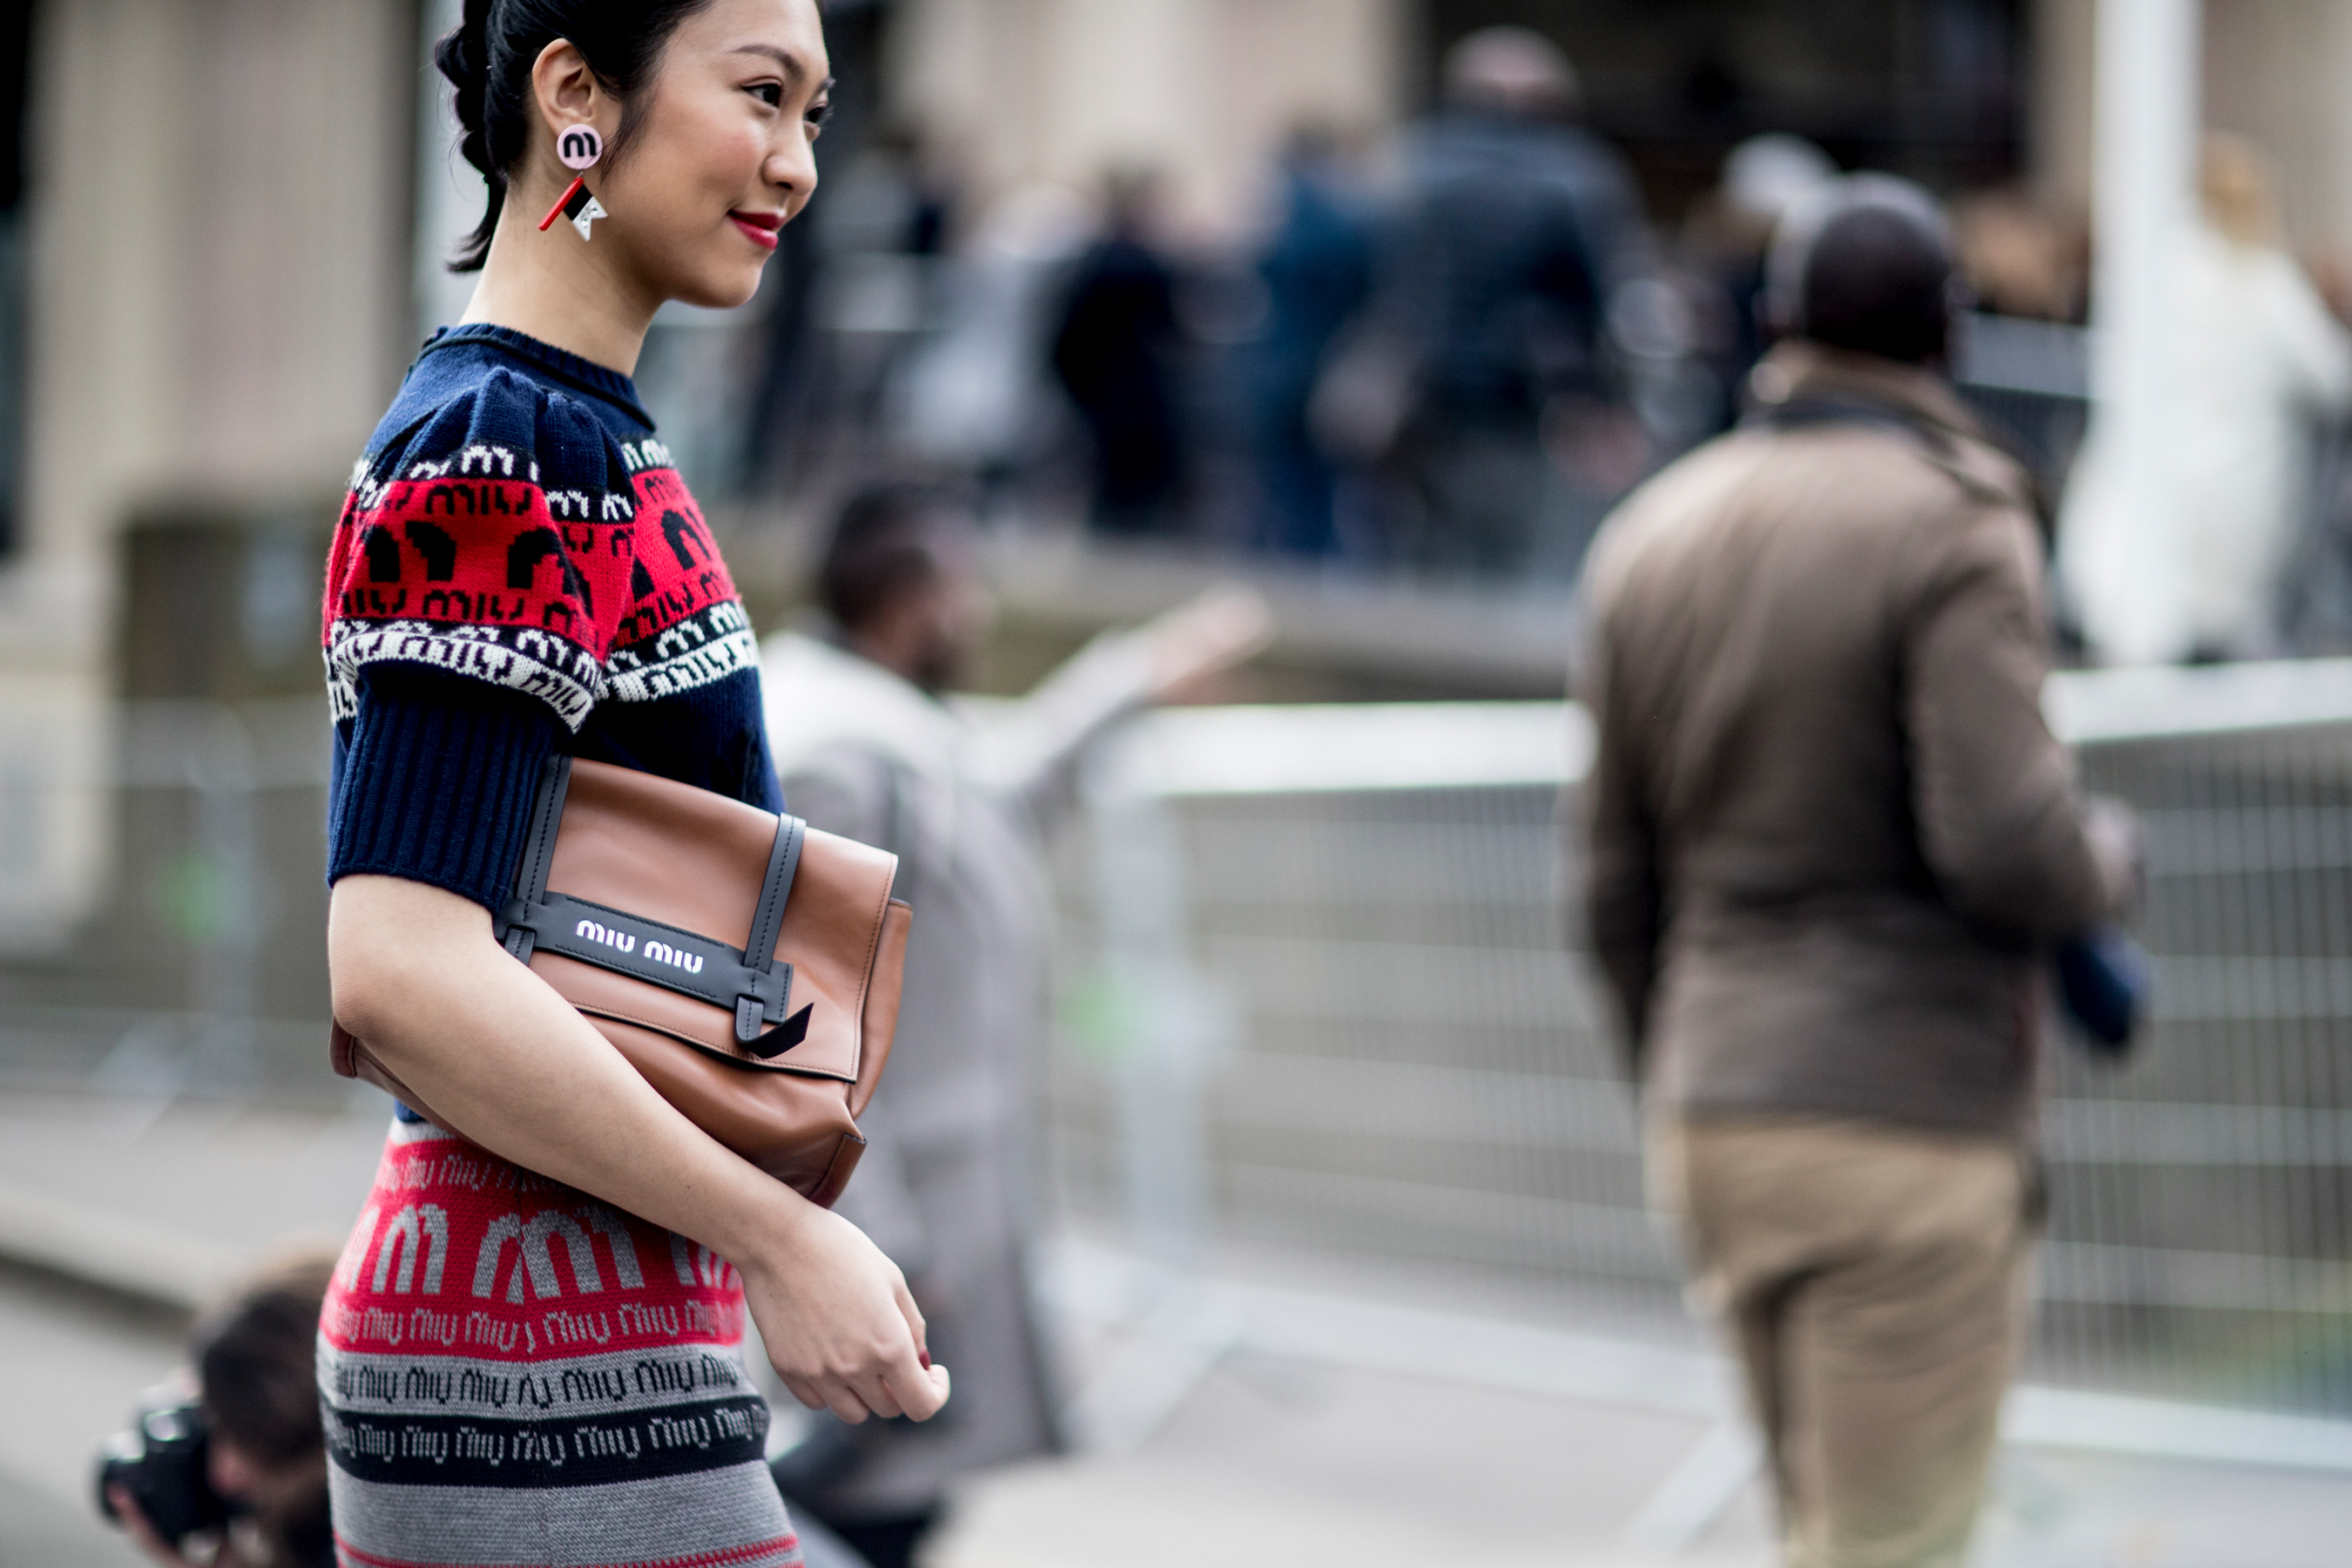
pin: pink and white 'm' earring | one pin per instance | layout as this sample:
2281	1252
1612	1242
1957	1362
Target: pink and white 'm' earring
579	146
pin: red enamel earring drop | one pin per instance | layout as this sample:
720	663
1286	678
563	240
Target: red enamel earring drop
579	146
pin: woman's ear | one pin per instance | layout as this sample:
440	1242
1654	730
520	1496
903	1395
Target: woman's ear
567	90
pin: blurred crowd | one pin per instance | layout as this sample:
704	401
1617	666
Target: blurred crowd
1450	353
1445	353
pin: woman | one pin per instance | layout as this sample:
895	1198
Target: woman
2256	361
518	571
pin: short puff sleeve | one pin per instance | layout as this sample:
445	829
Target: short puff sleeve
492	540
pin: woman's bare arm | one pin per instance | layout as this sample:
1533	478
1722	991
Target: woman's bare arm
418	976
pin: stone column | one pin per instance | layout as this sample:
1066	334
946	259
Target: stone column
2271	69
219	292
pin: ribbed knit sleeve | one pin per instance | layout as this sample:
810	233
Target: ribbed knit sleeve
435	783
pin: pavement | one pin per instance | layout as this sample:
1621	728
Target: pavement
1272	1412
72	1360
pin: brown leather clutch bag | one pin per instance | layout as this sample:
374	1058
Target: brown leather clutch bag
746	964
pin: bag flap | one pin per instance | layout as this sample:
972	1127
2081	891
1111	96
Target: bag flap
882	997
691	860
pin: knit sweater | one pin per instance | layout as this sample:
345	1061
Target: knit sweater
517	570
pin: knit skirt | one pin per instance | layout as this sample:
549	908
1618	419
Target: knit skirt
513	1374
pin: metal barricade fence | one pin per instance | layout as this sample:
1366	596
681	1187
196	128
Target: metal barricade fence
195	956
1336	1010
1334	1006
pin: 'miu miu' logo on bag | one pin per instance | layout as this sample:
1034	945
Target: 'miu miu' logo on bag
622	941
619	942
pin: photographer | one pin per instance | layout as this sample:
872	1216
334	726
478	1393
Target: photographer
264	1460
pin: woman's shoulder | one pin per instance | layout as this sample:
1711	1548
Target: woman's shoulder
478	419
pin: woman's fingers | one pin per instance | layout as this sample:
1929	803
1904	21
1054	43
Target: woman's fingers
903	1375
875	1390
897	1381
904	1386
849	1391
921	1391
843	1401
915	1324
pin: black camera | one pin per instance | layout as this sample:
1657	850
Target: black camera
161	1463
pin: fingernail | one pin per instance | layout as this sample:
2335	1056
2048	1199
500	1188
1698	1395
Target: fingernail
927	1359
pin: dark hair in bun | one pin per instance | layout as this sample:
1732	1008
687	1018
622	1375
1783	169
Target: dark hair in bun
488	60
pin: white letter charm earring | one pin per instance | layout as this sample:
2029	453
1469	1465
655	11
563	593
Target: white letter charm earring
579	146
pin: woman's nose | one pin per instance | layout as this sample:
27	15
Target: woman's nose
794	171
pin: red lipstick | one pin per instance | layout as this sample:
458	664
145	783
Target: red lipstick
760	228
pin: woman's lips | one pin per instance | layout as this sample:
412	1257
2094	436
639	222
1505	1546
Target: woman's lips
760	228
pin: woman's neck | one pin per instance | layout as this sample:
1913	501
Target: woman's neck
549	284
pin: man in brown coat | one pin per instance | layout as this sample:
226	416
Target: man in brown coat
1830	840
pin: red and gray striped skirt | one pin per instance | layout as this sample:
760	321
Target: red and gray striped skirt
514	1374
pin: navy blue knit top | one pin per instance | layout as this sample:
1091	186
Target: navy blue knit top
518	570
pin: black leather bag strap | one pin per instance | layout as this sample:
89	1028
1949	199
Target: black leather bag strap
775	889
753	1004
538	852
747	980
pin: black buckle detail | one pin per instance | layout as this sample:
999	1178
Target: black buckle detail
780	1038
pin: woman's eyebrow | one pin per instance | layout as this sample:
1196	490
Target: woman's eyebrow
786	61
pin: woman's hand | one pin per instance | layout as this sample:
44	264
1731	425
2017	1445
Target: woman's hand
417	975
841	1331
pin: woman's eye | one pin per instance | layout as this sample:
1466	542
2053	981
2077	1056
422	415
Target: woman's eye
771	93
818	114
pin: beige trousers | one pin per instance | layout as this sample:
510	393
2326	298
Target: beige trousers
1874	1282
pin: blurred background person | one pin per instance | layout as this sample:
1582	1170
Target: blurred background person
1724	237
257	1383
974	396
1829	835
869	747
1315	268
2258	362
1116	353
1514	229
2020	259
881	234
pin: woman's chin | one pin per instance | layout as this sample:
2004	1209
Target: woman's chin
720	288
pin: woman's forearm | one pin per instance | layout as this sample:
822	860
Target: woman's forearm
420	978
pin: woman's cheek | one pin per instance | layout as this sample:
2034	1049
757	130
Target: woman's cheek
735	163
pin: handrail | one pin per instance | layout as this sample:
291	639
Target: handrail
1330	748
